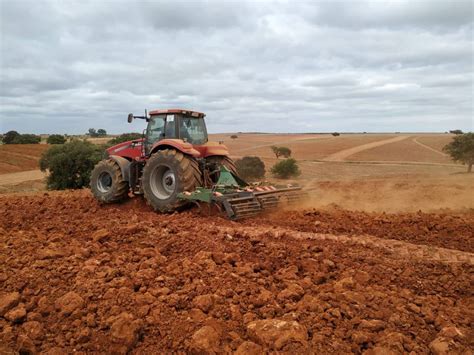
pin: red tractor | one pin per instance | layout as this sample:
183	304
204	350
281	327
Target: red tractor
175	164
174	156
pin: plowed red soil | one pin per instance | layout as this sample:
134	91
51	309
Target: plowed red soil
79	277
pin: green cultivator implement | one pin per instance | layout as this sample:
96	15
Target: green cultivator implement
237	199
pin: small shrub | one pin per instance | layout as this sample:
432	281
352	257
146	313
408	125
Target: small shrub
70	164
10	136
27	139
286	168
250	168
335	134
234	136
56	139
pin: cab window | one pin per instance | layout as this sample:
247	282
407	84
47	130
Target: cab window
170	130
156	128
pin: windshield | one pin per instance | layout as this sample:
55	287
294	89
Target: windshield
193	130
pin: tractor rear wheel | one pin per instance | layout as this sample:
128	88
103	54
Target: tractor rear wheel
167	173
214	164
107	182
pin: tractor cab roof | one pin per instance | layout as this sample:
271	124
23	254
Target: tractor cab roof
178	110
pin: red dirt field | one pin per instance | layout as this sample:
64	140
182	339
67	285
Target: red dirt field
83	278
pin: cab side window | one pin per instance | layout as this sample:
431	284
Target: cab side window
170	131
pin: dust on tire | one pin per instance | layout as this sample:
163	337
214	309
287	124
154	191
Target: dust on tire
118	188
186	173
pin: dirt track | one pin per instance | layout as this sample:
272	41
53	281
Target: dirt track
122	278
22	176
343	154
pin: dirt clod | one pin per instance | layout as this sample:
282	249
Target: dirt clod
125	330
16	315
68	303
276	334
8	301
205	341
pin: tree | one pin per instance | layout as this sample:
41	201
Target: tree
456	131
27	139
275	150
335	134
250	168
70	164
234	136
285	152
125	137
56	139
10	136
286	168
281	151
461	149
92	132
101	132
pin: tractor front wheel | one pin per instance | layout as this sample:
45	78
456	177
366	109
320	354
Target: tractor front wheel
167	173
107	183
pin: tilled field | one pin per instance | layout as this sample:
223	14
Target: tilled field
78	277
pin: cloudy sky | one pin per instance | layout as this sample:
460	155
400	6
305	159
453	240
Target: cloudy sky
282	66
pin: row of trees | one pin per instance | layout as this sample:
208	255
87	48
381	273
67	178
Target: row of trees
13	137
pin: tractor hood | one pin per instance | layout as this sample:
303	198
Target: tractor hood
129	149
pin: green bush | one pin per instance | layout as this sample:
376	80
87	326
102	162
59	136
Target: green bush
125	137
10	136
286	168
461	149
70	164
56	139
250	168
27	139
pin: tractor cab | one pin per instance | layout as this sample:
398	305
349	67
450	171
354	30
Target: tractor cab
188	126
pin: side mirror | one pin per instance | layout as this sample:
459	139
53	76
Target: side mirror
130	118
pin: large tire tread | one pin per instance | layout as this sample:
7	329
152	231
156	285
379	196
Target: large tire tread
120	189
188	178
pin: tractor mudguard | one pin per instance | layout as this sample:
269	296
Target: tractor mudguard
211	148
124	165
177	144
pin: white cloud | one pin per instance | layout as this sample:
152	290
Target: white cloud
270	66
